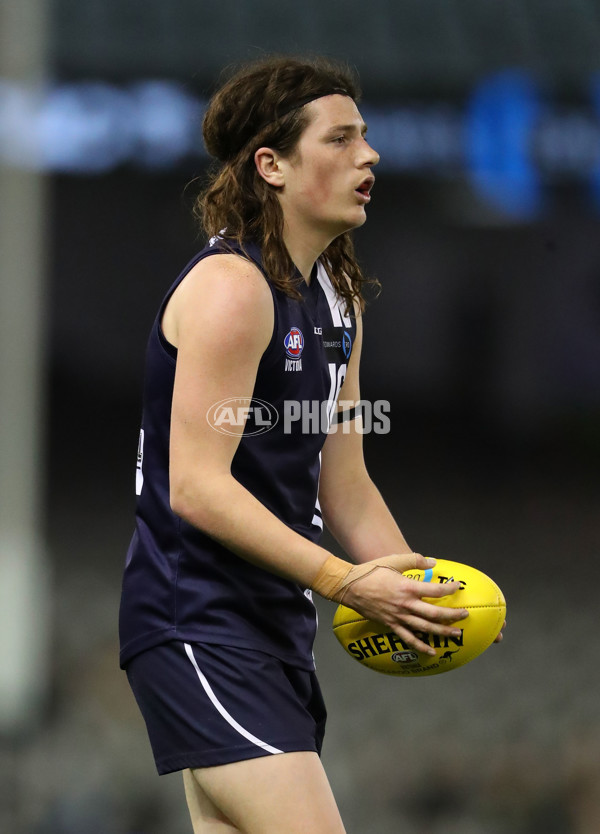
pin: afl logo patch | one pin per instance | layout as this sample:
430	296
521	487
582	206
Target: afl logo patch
294	343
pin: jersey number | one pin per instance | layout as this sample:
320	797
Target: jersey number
336	377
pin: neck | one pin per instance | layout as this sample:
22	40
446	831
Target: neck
305	249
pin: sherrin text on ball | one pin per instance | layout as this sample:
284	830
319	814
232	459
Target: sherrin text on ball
373	645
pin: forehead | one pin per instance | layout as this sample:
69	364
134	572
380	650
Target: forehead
332	111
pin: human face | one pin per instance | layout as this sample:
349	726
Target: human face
328	179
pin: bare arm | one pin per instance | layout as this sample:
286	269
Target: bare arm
361	522
220	319
353	508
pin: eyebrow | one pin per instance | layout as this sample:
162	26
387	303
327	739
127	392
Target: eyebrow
347	128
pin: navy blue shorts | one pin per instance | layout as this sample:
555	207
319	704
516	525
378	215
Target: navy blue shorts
208	705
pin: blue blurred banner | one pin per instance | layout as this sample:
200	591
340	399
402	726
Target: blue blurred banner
507	139
501	118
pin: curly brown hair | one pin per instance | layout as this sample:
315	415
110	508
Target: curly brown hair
262	104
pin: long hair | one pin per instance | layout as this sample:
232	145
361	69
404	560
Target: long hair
262	105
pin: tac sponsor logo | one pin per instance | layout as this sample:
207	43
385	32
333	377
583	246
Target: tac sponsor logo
242	414
443	580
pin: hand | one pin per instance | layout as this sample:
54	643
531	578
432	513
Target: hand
396	601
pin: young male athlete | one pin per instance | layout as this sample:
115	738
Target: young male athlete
217	621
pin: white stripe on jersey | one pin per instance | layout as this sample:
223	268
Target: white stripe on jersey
336	304
221	709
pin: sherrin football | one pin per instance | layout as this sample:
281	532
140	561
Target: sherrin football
373	645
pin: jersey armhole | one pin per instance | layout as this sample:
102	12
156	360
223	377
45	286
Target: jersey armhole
269	350
167	346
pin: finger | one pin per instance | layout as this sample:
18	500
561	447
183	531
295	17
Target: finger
410	639
500	636
418	624
405	561
434	590
423	562
437	613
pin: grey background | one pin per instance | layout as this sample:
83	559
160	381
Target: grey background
486	340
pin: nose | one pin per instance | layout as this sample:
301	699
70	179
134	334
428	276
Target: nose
369	155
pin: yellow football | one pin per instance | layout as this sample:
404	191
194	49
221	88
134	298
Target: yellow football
375	646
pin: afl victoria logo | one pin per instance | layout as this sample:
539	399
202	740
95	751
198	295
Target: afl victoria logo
294	343
242	415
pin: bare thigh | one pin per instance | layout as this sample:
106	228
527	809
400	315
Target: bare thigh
286	793
206	817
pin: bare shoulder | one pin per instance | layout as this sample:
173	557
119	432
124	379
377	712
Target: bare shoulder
223	279
220	290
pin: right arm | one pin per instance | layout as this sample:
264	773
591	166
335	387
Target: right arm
220	319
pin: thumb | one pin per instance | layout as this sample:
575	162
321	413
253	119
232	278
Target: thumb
404	561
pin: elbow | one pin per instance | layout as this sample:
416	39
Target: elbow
180	502
195	504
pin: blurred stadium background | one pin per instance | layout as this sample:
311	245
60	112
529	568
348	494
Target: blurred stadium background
485	233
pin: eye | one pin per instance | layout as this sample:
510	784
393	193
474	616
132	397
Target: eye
340	140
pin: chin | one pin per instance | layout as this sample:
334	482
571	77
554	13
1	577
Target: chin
358	220
354	220
347	224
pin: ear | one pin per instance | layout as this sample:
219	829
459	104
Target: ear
267	165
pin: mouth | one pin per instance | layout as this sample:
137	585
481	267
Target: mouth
364	189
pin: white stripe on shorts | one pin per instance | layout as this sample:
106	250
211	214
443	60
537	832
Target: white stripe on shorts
219	706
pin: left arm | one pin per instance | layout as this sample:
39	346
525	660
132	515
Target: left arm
353	508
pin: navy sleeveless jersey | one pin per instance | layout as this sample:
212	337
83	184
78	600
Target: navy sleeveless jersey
178	582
